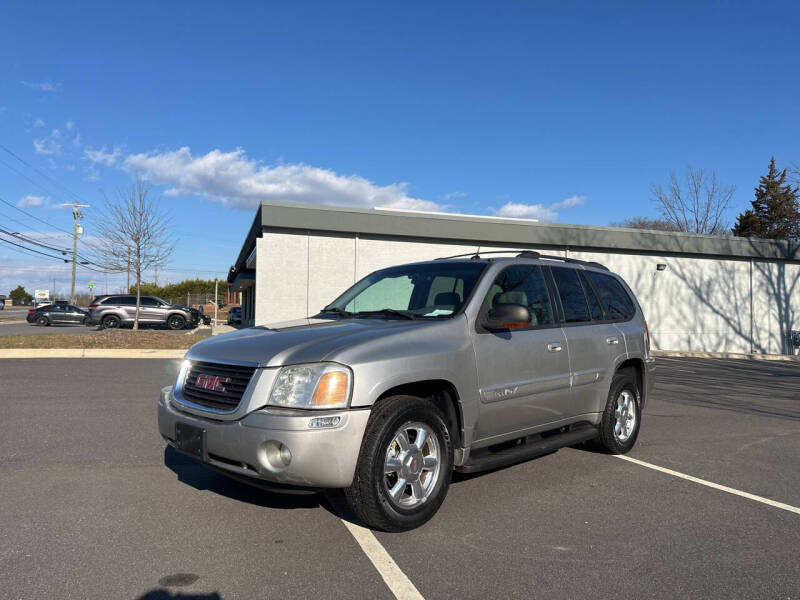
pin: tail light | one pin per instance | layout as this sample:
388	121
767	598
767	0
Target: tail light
92	306
646	339
30	311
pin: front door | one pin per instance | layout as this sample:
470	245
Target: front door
523	374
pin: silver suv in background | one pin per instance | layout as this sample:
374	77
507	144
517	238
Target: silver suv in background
416	370
117	310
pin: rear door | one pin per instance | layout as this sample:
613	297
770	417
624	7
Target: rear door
595	345
619	308
523	374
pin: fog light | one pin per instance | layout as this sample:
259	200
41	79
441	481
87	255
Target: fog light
286	455
322	422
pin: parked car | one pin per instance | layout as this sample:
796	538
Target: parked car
112	311
235	315
203	317
417	370
59	313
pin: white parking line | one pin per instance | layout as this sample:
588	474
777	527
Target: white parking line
710	484
398	583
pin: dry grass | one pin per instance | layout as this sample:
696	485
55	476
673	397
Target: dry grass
146	339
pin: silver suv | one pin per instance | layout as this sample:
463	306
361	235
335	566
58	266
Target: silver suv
115	311
460	363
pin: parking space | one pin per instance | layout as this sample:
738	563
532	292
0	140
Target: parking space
93	506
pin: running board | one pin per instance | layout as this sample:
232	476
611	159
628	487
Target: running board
531	447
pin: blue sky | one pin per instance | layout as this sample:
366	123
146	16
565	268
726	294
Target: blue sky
566	111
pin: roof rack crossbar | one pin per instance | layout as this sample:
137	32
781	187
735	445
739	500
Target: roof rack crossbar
575	261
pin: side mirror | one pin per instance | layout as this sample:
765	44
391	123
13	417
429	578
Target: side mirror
507	316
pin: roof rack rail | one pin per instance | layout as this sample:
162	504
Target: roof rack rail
574	261
529	254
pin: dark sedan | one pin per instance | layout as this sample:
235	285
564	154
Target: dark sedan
59	313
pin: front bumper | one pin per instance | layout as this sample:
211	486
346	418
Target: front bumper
250	446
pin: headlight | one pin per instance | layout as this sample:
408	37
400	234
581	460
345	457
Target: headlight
321	385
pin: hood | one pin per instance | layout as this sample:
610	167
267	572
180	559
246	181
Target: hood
301	341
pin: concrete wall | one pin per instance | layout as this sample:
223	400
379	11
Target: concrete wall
694	304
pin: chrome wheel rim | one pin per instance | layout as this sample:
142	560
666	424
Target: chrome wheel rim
412	465
624	416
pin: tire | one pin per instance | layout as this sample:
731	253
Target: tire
110	322
622	416
427	470
43	321
176	322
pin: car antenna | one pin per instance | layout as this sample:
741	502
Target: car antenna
477	255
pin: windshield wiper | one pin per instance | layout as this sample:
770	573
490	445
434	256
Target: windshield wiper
387	312
338	311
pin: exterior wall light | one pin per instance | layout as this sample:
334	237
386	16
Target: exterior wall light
661	267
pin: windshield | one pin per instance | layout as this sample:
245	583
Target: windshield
429	290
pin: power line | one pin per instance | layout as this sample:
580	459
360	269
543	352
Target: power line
30	166
4	201
32	250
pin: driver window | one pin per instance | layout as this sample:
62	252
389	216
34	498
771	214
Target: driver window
523	284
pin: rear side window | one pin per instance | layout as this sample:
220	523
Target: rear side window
616	302
523	284
570	291
594	303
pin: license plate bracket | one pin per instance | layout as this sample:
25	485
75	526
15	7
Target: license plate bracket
190	440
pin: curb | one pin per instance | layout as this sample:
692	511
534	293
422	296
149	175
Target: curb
89	353
734	355
12	321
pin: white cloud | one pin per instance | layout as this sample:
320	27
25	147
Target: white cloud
44	86
233	179
102	156
31	200
455	195
50	145
570	202
69	125
542	212
38	123
526	211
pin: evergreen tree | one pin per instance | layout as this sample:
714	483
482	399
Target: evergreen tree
20	295
775	212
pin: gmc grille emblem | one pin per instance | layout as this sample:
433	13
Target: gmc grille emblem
215	383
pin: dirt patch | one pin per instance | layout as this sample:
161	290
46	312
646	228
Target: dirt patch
108	338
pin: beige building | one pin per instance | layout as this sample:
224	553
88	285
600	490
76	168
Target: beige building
699	293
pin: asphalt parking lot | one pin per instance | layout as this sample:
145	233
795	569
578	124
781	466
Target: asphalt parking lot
92	506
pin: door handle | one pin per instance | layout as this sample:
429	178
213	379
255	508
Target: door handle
554	347
613	341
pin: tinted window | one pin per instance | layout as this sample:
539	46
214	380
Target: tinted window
615	300
571	292
55	308
523	284
594	303
145	301
126	301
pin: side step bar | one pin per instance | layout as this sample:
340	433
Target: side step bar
533	446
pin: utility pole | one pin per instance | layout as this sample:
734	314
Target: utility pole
76	214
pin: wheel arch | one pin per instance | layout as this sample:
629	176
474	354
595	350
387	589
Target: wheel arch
440	392
637	366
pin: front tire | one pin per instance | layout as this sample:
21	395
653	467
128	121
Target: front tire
622	416
404	467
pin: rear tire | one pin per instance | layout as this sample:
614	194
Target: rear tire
43	321
110	322
622	416
176	322
398	484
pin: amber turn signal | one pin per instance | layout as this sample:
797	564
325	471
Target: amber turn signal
331	389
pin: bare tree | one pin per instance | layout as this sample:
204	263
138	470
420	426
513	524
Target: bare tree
645	223
696	205
134	235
